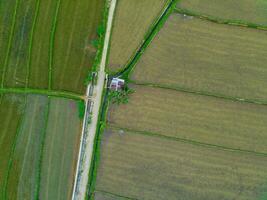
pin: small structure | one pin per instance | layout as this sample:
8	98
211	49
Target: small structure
117	84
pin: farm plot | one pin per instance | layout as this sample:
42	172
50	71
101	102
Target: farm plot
24	170
202	56
60	150
132	21
144	167
194	117
104	196
250	11
15	69
6	7
39	63
43	46
11	113
73	50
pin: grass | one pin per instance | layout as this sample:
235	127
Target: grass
74	54
60	150
143	167
250	11
24	167
206	57
194	117
11	113
132	21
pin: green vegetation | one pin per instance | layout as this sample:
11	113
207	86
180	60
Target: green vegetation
132	21
60	150
245	11
144	167
73	52
21	183
206	57
81	108
120	96
11	114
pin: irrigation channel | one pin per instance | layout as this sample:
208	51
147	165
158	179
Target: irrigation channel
93	104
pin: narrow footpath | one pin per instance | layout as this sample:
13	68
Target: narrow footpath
93	104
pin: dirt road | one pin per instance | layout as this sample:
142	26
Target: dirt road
88	136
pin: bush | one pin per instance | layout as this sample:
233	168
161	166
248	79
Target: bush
120	97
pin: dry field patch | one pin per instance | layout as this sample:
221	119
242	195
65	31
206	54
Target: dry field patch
133	18
194	117
199	55
144	167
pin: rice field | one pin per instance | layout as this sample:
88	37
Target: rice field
11	114
203	56
39	139
60	150
250	11
193	117
43	46
143	167
132	21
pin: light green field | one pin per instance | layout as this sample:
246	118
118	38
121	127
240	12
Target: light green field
23	176
144	167
60	150
73	51
133	18
253	11
11	114
207	57
194	117
16	71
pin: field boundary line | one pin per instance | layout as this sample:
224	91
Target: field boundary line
37	9
146	35
11	155
10	39
62	94
39	170
202	93
52	44
218	20
115	195
150	35
193	142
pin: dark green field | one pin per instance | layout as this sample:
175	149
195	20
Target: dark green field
43	46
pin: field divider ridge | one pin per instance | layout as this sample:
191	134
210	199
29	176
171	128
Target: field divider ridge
11	156
10	39
203	93
37	9
218	20
39	170
51	45
52	93
150	35
182	140
115	195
